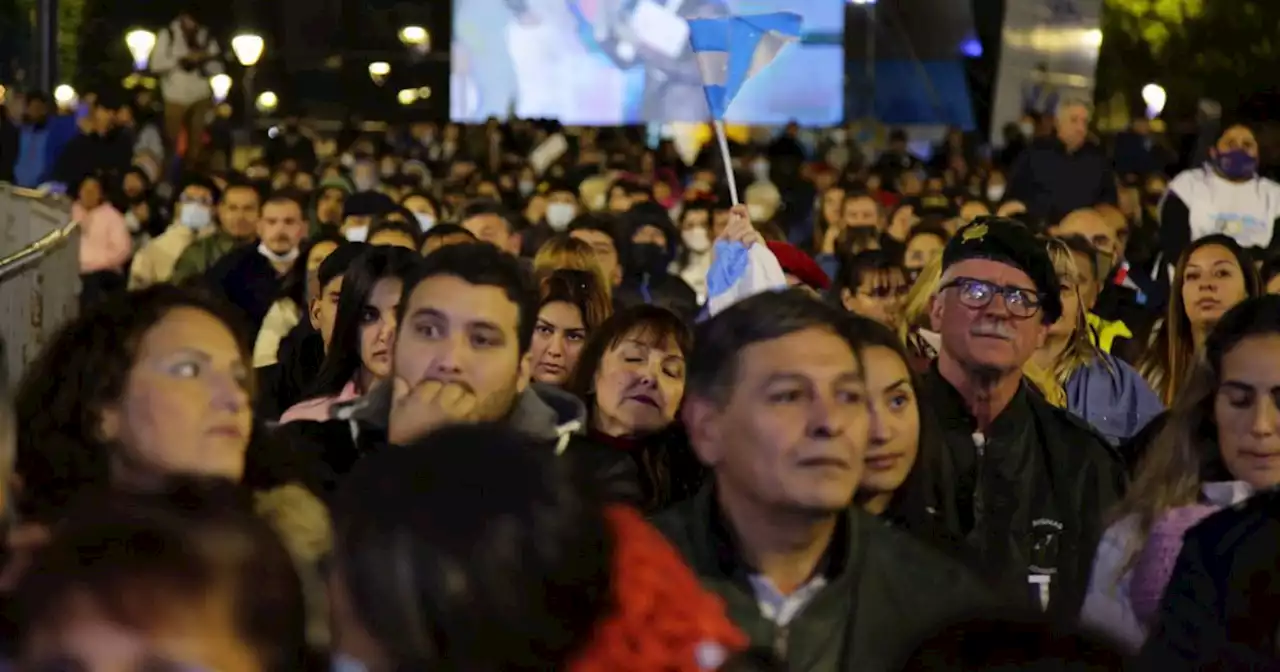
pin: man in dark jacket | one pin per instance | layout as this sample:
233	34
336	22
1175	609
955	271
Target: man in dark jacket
775	405
1221	609
1025	483
251	276
1063	173
466	320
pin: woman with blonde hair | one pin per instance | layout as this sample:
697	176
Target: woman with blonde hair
563	252
1218	447
1098	388
1213	274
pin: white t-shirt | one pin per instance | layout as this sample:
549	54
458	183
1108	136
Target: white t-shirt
1246	211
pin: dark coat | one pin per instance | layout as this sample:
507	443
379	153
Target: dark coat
1052	182
1029	495
885	591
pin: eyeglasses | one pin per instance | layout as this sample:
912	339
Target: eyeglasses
978	294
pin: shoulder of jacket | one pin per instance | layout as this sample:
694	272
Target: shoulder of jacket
1079	434
1224	531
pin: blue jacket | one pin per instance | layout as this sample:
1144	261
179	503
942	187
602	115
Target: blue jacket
33	168
1112	397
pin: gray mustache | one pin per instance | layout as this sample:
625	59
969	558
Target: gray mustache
996	329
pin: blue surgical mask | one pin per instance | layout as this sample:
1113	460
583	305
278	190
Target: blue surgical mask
195	216
426	220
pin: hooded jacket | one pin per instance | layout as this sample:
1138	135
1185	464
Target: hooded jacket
549	416
1028	495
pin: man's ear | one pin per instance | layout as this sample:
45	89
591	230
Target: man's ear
935	314
703	422
523	370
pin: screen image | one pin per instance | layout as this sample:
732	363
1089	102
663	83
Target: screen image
612	62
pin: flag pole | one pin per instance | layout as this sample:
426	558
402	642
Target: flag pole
723	139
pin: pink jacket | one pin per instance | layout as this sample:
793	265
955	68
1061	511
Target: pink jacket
318	409
105	243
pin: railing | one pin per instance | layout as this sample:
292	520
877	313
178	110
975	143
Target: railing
39	272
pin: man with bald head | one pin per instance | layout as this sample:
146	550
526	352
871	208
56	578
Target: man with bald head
1064	172
1088	223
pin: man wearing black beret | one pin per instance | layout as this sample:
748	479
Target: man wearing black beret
1024	483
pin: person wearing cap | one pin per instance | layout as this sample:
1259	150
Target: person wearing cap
1025	483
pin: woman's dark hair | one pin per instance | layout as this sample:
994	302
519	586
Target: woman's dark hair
579	289
143	557
879	266
343	358
930	225
668	470
1270	269
83	369
514	577
409	228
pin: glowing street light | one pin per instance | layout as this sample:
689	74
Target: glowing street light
65	96
1155	97
416	38
248	48
407	96
378	71
221	85
140	43
424	93
268	101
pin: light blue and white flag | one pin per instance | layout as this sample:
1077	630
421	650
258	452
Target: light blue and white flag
731	50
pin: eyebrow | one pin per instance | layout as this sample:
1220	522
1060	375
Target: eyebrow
1246	387
901	382
794	377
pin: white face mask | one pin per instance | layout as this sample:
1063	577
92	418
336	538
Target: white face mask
195	216
696	239
286	258
1028	129
559	215
425	220
760	169
131	221
357	234
995	192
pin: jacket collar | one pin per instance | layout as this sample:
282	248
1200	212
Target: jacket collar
954	414
718	542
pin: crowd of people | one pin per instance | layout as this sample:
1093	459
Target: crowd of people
421	403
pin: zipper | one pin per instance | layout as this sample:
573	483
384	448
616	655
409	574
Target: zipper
979	504
780	642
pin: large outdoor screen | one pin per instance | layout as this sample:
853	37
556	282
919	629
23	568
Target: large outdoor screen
609	62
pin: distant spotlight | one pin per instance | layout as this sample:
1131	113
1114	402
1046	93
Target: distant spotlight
221	86
140	43
1155	97
862	2
407	96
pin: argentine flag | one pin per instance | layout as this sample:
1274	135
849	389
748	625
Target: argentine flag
733	49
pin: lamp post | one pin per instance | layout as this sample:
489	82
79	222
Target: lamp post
221	86
1155	97
140	43
378	71
407	96
248	49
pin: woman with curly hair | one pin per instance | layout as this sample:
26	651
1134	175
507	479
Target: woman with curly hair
526	572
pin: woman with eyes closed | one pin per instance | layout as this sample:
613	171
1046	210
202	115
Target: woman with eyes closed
572	307
359	353
1213	274
1221	443
631	375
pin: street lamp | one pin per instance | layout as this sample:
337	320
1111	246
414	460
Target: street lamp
268	101
378	71
416	38
140	43
248	48
1155	97
221	85
407	96
64	95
